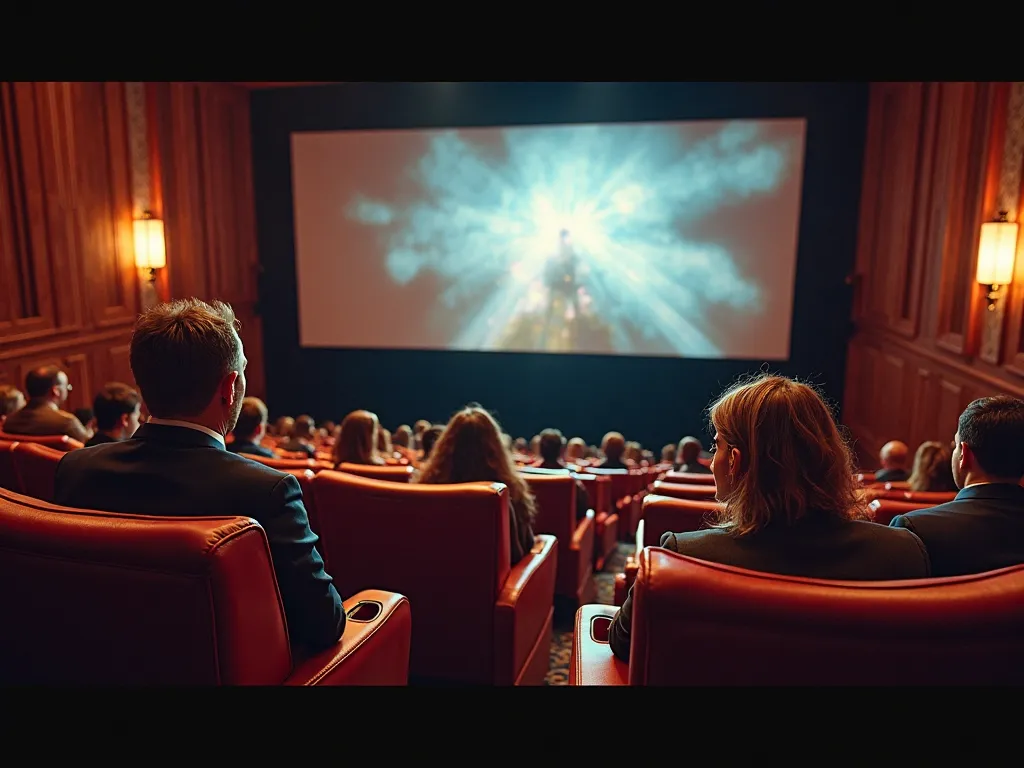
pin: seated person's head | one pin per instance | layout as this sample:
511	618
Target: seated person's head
48	382
470	450
357	439
328	428
304	428
668	454
283	426
689	450
613	446
420	427
634	452
87	416
535	445
11	400
429	439
402	437
894	455
252	421
932	468
551	444
117	409
189	363
520	446
384	441
990	442
778	456
506	440
575	449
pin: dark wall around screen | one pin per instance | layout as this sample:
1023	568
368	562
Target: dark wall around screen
653	400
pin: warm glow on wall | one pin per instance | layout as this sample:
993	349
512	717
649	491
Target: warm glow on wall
150	252
996	252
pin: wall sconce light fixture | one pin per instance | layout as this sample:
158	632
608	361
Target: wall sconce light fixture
150	250
996	252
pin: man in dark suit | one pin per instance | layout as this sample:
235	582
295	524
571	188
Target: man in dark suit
613	446
189	364
894	456
250	429
552	447
688	453
982	529
47	389
117	411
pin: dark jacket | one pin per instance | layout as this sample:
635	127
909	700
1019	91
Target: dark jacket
177	471
245	446
40	418
982	529
817	547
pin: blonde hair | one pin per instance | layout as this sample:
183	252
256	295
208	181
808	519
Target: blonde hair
793	459
357	440
470	450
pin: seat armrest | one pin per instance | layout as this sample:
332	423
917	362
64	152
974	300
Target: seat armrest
523	607
374	649
592	660
584	528
639	537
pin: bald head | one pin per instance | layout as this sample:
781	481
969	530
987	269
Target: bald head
894	455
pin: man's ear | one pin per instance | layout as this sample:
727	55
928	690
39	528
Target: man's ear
966	457
227	388
124	420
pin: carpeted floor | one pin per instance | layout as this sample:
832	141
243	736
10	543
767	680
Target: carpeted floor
561	636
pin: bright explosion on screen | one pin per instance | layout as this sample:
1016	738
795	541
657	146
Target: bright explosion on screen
577	230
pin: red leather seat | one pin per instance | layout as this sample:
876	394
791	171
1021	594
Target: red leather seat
478	621
677	491
606	519
556	515
700	623
400	473
36	468
286	464
8	474
110	599
623	486
689	478
57	442
662	514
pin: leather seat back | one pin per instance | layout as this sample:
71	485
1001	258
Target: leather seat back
94	598
399	473
664	514
556	504
8	475
36	467
57	442
445	547
701	623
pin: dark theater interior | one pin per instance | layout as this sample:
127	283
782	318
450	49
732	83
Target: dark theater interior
483	384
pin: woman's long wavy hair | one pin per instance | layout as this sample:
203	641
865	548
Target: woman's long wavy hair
932	469
470	450
793	459
357	440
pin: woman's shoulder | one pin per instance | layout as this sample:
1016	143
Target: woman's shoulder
685	542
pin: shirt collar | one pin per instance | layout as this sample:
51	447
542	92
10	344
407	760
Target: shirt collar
188	425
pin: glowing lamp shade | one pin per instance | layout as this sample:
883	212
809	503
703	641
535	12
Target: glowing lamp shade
996	252
150	252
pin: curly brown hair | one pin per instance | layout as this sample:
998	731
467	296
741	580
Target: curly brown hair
470	450
793	459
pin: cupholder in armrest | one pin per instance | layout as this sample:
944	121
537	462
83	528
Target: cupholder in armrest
599	628
365	610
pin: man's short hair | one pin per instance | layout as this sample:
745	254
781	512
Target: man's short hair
39	381
253	414
552	441
114	401
429	438
993	428
180	353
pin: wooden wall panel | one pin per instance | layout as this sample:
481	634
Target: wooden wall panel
931	175
70	290
204	169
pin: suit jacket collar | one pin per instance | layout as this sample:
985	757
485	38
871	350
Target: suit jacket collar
176	435
1000	491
